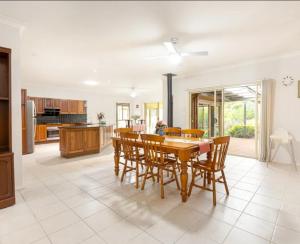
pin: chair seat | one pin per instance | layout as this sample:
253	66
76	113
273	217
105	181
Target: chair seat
203	164
167	161
134	157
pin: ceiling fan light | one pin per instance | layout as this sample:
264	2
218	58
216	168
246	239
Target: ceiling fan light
91	82
170	47
175	59
133	93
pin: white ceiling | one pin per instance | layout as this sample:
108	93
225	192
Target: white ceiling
65	43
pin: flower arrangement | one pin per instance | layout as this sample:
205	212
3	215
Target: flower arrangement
100	117
159	127
135	117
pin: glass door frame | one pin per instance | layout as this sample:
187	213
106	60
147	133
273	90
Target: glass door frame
221	126
117	115
155	106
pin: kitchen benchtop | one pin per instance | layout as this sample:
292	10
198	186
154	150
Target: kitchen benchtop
83	126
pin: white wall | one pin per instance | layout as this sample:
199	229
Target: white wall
156	96
286	105
10	38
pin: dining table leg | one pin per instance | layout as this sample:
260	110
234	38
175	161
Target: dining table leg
117	156
184	157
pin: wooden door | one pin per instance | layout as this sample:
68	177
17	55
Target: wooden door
92	141
194	111
6	178
64	106
23	111
48	103
75	141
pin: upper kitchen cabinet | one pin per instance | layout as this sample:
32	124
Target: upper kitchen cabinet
81	107
65	106
73	106
56	103
39	104
48	103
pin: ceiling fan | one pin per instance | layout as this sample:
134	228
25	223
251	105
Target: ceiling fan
175	55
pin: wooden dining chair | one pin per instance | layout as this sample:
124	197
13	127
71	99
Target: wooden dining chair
192	133
155	158
117	131
172	131
132	154
212	166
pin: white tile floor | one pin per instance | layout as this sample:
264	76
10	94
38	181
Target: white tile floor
80	200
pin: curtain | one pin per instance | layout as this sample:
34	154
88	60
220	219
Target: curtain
266	118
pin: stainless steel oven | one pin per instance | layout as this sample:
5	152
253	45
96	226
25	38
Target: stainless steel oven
52	133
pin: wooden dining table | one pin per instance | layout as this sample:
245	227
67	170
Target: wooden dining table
182	147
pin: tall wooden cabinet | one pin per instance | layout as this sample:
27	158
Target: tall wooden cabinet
7	185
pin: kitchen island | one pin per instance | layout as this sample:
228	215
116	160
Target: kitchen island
83	139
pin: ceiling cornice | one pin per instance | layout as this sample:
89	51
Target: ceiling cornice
12	22
242	64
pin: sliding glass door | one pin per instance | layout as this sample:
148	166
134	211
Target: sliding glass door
230	111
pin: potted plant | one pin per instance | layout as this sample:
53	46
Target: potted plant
101	117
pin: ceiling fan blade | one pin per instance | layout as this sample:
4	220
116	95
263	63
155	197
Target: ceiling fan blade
157	57
200	53
170	46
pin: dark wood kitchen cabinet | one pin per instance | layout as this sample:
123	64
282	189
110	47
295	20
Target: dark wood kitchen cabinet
66	106
39	104
81	107
73	107
56	103
48	103
7	185
41	133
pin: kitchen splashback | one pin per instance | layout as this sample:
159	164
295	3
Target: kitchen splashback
63	118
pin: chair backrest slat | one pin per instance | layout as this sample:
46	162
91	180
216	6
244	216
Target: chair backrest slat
194	133
118	131
128	144
152	148
220	151
172	131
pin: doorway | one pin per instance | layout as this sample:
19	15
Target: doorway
153	113
123	114
229	111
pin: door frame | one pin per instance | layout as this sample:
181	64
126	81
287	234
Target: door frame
118	104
